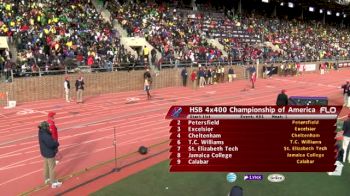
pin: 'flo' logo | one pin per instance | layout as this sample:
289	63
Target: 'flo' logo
276	178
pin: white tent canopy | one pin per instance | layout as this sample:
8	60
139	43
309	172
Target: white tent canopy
3	42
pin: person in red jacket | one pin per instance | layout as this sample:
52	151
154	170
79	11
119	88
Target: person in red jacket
322	68
194	79
53	128
90	60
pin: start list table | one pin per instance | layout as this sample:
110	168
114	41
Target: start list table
253	138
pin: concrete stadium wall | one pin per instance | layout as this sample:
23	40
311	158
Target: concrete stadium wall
51	87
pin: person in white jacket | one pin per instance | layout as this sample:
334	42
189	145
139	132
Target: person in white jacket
67	88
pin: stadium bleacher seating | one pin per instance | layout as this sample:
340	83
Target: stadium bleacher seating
59	35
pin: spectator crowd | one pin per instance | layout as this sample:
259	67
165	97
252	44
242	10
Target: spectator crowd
55	35
173	35
63	34
180	35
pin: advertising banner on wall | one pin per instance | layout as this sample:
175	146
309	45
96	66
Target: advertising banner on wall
344	64
307	67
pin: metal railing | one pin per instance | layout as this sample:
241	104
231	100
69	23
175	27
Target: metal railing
175	64
9	74
281	60
6	76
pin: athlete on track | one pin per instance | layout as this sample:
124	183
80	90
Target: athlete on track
252	72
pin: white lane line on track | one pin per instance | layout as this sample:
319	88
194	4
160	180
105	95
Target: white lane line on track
19	177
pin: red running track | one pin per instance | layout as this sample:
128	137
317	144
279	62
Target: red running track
86	130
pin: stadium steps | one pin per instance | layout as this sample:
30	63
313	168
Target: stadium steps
273	47
216	43
128	42
106	15
117	26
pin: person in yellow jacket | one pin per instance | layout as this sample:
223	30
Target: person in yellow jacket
146	53
53	30
69	44
4	28
38	18
8	7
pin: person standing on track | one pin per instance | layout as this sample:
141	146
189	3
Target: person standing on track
298	68
345	88
147	74
184	76
147	82
79	86
48	150
194	79
66	85
231	72
346	137
210	76
222	75
252	72
322	68
201	75
282	99
53	129
147	88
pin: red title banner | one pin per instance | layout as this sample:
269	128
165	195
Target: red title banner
183	111
253	138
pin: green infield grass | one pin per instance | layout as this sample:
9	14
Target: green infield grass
158	181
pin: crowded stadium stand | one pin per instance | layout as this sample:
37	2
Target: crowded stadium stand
58	36
51	37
